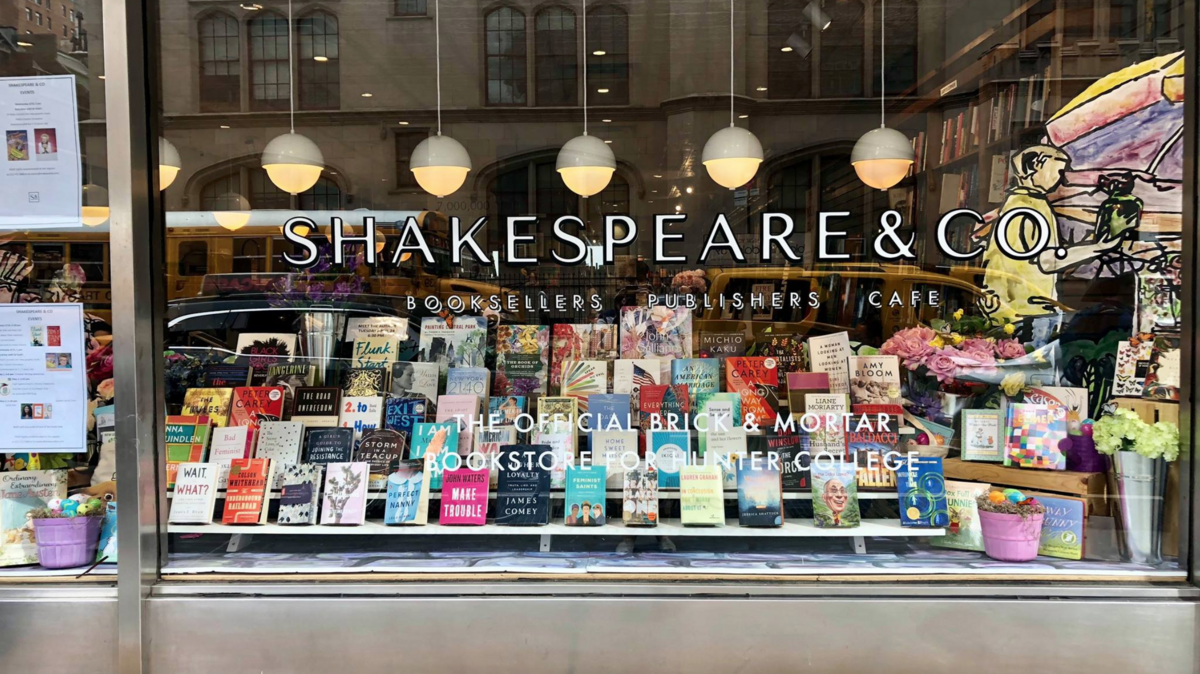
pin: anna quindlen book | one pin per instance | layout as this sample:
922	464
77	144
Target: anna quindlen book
456	341
522	360
586	490
756	381
381	450
408	492
187	442
475	381
317	407
20	492
581	379
413	380
963	532
195	498
437	439
669	450
760	493
345	500
701	496
922	490
835	493
656	332
246	496
523	486
579	341
213	403
465	497
874	448
299	497
639	501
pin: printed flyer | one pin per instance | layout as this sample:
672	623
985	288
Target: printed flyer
41	179
43	378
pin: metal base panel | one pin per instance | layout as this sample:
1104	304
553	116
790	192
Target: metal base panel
47	630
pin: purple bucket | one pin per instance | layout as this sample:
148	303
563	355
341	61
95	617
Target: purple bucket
1010	538
67	542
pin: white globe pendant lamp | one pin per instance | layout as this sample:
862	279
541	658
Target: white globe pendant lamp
585	162
292	161
882	157
732	155
439	163
95	205
169	163
232	211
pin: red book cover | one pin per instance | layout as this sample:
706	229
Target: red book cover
246	496
253	405
756	380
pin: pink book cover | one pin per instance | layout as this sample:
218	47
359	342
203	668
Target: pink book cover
463	409
464	496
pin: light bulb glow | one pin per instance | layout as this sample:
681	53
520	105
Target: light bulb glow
293	162
166	176
95	210
232	220
440	164
881	158
94	216
733	172
293	178
732	156
441	180
169	163
882	173
586	180
586	165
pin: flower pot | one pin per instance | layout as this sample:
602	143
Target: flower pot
66	542
1010	538
1141	485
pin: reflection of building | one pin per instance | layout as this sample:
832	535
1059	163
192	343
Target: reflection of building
31	19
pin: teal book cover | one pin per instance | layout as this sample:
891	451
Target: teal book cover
835	494
440	439
922	489
584	506
670	451
1062	526
700	375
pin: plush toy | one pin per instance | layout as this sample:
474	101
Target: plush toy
105	491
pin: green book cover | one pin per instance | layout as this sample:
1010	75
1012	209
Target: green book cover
964	532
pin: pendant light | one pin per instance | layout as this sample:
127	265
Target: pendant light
232	211
169	163
95	205
292	161
732	155
439	163
882	157
585	162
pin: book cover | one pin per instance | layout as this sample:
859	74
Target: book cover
523	486
722	344
835	494
701	496
195	497
249	487
401	414
299	492
381	450
1075	399
375	352
437	439
787	349
725	449
801	384
827	434
656	332
465	411
227	445
639	501
608	412
756	381
1133	361
614	450
361	414
21	492
225	376
963	531
715	412
522	360
830	354
579	341
562	448
583	378
760	493
874	380
213	403
1163	376
700	375
360	382
465	496
922	490
1159	301
290	376
282	442
455	341
411	380
981	435
408	492
557	414
669	452
1033	434
329	445
584	505
794	457
472	381
253	405
873	446
361	327
317	407
261	350
630	375
345	499
1063	526
488	442
187	442
504	410
108	549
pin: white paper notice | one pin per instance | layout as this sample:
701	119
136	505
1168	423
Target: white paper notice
43	378
40	185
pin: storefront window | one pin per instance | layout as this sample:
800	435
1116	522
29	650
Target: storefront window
775	362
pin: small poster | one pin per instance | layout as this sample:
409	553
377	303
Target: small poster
41	184
43	387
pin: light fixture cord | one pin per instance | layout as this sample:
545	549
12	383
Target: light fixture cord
882	42
730	62
585	55
437	42
291	72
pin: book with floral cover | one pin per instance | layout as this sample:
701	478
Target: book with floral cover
522	360
656	332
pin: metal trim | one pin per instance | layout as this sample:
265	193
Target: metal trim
1189	465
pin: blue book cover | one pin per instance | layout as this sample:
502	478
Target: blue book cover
670	451
760	493
504	410
475	381
584	505
407	494
922	489
610	411
440	439
700	375
1062	526
401	414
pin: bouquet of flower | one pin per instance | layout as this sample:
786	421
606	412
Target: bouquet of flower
1124	430
319	284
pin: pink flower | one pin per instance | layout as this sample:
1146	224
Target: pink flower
941	364
911	345
1009	348
976	346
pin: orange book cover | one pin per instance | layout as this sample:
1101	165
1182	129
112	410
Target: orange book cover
246	496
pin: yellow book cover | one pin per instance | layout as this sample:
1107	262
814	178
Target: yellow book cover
211	402
557	414
701	495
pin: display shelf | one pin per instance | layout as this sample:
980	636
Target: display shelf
1092	486
663	495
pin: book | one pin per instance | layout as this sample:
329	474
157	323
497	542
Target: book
1158	301
290	376
656	332
361	414
436	439
375	352
261	350
392	327
504	410
700	375
249	488
401	414
522	360
225	376
1074	399
922	490
981	435
253	405
317	407
963	531
562	448
1033	434
663	406
381	450
835	493
1063	526
584	505
639	496
722	344
282	442
830	354
299	493
581	379
523	486
108	550
874	380
408	492
227	445
488	442
364	382
187	442
557	414
715	412
614	450
725	449
195	497
329	445
630	375
463	410
827	434
474	381
786	348
410	380
345	494
701	496
455	341
669	451
756	381
1133	361
792	449
874	445
1163	375
608	412
760	493
465	496
21	492
579	341
213	403
802	384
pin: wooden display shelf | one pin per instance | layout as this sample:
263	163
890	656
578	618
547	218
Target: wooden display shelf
1091	486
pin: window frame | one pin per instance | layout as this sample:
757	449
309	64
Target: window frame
522	58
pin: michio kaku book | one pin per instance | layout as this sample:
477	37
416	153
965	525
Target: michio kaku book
408	492
756	381
835	494
1033	435
963	531
20	492
213	403
760	493
922	490
299	498
639	502
195	497
701	496
523	487
584	504
465	497
1063	526
656	332
317	406
345	500
522	360
249	488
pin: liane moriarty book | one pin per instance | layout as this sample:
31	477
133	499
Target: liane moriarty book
756	380
523	487
522	360
656	332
